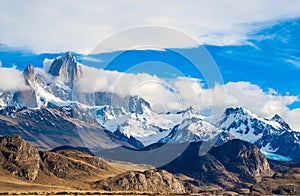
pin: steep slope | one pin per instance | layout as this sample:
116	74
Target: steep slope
141	122
195	130
71	170
233	165
242	158
24	162
272	136
67	68
19	158
48	128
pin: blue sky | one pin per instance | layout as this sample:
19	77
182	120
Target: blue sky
256	47
271	59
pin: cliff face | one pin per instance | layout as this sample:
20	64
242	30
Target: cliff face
19	157
242	158
232	165
67	68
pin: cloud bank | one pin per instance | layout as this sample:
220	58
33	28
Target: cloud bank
11	79
66	25
179	93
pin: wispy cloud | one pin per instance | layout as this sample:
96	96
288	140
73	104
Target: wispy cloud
80	25
294	62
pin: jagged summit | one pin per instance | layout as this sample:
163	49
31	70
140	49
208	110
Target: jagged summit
67	68
137	104
29	73
273	136
236	110
278	119
190	110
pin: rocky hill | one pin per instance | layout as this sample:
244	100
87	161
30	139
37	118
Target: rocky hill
76	170
157	181
233	165
236	166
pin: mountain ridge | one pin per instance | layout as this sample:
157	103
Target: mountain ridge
131	121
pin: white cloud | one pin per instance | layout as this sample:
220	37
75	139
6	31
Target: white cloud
11	79
179	93
65	25
292	117
47	64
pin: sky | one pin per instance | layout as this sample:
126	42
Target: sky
66	25
254	45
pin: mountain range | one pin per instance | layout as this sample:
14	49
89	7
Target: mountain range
109	142
52	113
235	167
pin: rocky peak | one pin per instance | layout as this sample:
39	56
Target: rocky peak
190	110
67	68
19	157
29	73
242	158
236	110
137	104
278	119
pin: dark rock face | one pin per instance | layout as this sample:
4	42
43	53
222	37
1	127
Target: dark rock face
27	98
152	180
23	160
137	104
243	159
48	128
66	67
29	74
131	140
231	165
19	158
278	119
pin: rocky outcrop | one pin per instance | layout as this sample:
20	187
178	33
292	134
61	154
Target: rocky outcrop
232	165
19	157
27	97
74	165
243	159
157	181
29	74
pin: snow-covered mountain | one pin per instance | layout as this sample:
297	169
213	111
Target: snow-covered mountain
273	136
129	121
192	130
141	122
129	117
